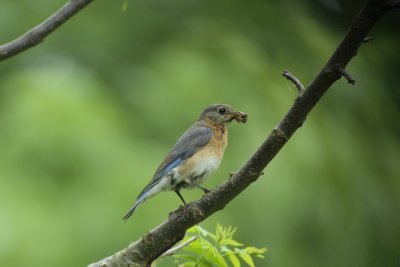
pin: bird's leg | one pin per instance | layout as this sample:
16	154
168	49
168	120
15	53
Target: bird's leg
180	196
201	187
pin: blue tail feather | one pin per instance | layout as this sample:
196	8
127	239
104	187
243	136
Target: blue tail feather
140	199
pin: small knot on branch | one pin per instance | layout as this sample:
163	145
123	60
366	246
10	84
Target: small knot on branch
288	75
279	135
147	238
257	173
368	39
347	75
197	213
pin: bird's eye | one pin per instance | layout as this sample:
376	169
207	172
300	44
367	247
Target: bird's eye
221	110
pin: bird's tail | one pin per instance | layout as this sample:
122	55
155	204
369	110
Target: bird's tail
140	199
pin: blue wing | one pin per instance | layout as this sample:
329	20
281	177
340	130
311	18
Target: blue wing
195	138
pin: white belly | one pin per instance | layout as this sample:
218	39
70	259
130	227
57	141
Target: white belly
208	165
200	171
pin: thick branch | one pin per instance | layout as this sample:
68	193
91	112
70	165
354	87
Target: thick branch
37	34
155	242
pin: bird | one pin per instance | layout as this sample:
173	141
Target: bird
195	156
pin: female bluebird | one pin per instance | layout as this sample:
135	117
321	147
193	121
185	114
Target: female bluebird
195	156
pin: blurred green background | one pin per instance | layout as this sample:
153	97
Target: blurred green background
87	116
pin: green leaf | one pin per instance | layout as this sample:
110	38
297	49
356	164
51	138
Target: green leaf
208	251
188	257
235	261
230	242
204	263
231	255
196	248
254	250
247	258
225	249
187	264
191	230
224	236
225	232
203	232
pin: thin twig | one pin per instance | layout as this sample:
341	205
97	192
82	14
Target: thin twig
173	250
38	33
288	75
347	75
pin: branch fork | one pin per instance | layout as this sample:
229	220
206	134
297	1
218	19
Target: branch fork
347	76
288	75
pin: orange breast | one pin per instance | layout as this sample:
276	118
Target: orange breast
207	160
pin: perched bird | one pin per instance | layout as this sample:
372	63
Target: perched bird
195	156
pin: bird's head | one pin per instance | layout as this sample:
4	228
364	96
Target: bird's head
221	113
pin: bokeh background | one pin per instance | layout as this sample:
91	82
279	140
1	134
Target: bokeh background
87	116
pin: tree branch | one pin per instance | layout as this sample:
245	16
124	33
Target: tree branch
38	33
288	75
154	243
390	5
347	75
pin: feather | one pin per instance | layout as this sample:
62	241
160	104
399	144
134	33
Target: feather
194	139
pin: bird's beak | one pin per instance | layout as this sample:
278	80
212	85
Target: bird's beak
239	116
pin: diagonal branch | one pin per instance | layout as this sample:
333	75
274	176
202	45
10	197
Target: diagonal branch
38	33
154	243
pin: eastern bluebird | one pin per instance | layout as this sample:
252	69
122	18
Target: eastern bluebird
195	156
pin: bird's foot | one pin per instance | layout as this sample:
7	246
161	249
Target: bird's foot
205	190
